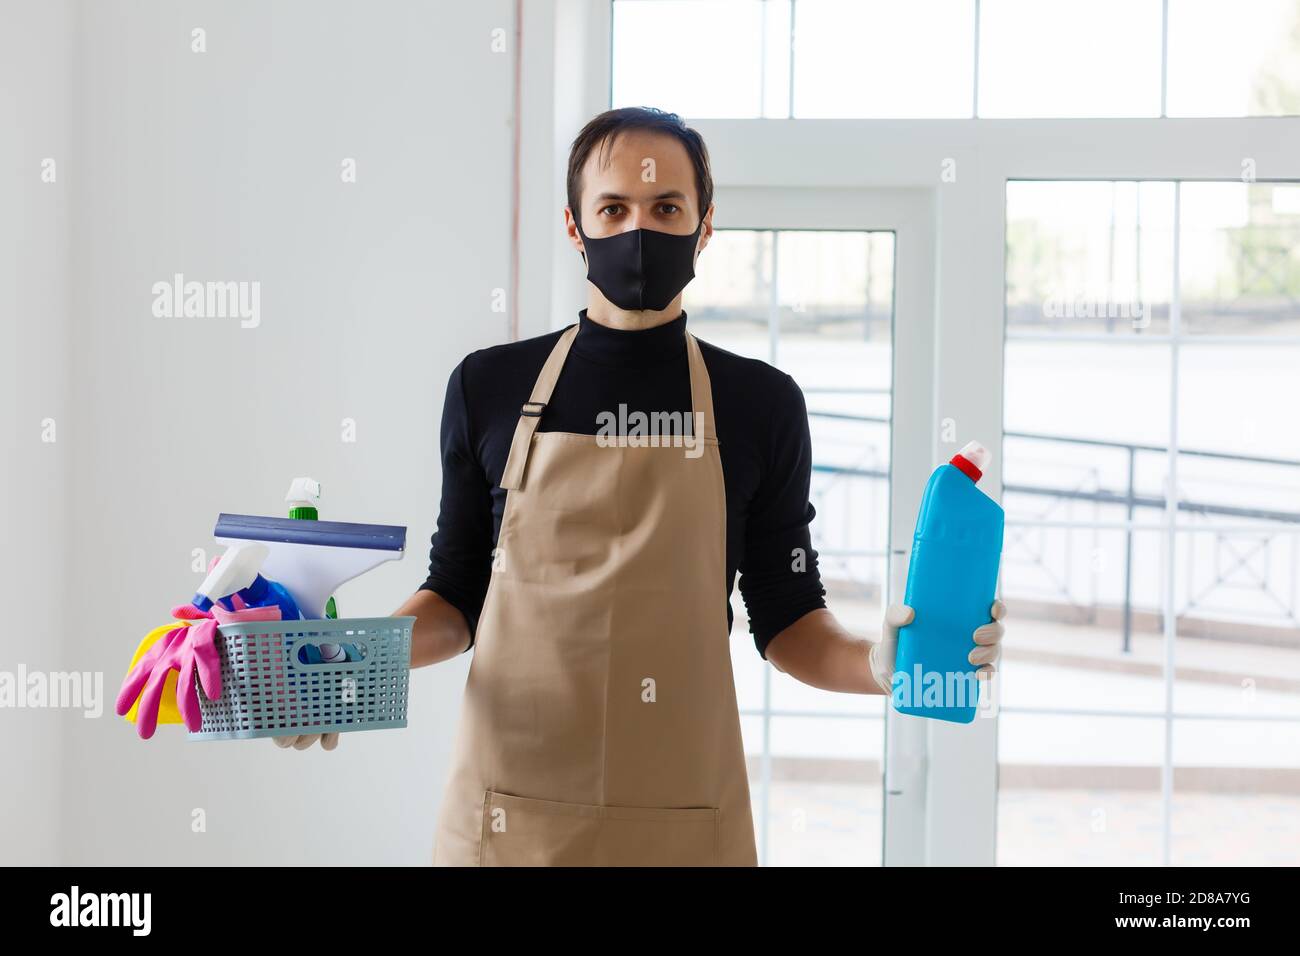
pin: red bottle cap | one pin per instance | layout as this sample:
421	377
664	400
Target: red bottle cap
965	466
971	460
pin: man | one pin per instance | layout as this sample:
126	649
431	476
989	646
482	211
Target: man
590	565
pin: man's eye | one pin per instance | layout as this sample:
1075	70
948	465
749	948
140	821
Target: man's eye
669	208
606	209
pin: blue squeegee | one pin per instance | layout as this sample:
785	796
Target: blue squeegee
312	558
329	534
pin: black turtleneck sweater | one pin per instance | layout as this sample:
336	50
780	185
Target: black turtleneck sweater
763	440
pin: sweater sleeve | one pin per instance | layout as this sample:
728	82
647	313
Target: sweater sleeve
779	578
460	554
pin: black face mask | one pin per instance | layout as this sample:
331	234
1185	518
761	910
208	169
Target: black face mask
641	269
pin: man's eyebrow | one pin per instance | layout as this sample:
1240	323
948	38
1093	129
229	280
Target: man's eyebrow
619	197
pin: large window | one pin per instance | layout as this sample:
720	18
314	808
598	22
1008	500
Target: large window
818	305
958	58
1151	698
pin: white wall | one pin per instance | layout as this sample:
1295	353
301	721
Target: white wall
225	166
37	74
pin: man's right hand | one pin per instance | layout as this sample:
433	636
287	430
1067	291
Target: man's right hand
303	741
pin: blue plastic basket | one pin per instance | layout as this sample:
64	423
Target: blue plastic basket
266	691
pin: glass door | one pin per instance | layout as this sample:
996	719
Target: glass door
808	282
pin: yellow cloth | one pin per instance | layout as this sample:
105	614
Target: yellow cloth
167	712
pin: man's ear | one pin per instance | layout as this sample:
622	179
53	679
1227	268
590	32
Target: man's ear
571	227
706	227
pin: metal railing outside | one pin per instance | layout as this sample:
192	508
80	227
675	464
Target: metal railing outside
1128	497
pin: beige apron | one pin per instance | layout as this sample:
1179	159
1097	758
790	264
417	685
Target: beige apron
599	726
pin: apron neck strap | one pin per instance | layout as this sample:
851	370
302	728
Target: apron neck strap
531	413
701	388
530	416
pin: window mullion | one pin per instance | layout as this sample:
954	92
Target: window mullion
1171	535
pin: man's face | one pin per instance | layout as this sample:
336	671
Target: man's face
642	180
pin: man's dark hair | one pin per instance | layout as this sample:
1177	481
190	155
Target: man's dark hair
602	131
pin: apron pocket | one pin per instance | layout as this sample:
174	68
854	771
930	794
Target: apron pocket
522	831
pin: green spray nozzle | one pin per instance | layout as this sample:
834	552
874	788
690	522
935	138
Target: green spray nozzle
303	495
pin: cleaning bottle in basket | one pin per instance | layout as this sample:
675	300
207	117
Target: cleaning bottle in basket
234	570
303	495
951	584
265	593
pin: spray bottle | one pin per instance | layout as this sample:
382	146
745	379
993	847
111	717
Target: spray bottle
236	569
951	583
304	494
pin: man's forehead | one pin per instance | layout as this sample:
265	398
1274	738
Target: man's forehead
630	148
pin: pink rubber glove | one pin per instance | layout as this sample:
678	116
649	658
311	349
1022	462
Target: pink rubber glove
141	676
187	649
188	612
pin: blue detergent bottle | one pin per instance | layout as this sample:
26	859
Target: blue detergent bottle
951	583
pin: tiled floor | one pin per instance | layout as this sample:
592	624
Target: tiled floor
840	825
1098	828
822	824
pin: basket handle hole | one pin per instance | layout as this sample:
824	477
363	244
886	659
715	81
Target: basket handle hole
326	652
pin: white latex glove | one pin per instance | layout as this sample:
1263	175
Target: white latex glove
984	655
303	741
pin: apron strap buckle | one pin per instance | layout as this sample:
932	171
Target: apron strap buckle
530	416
